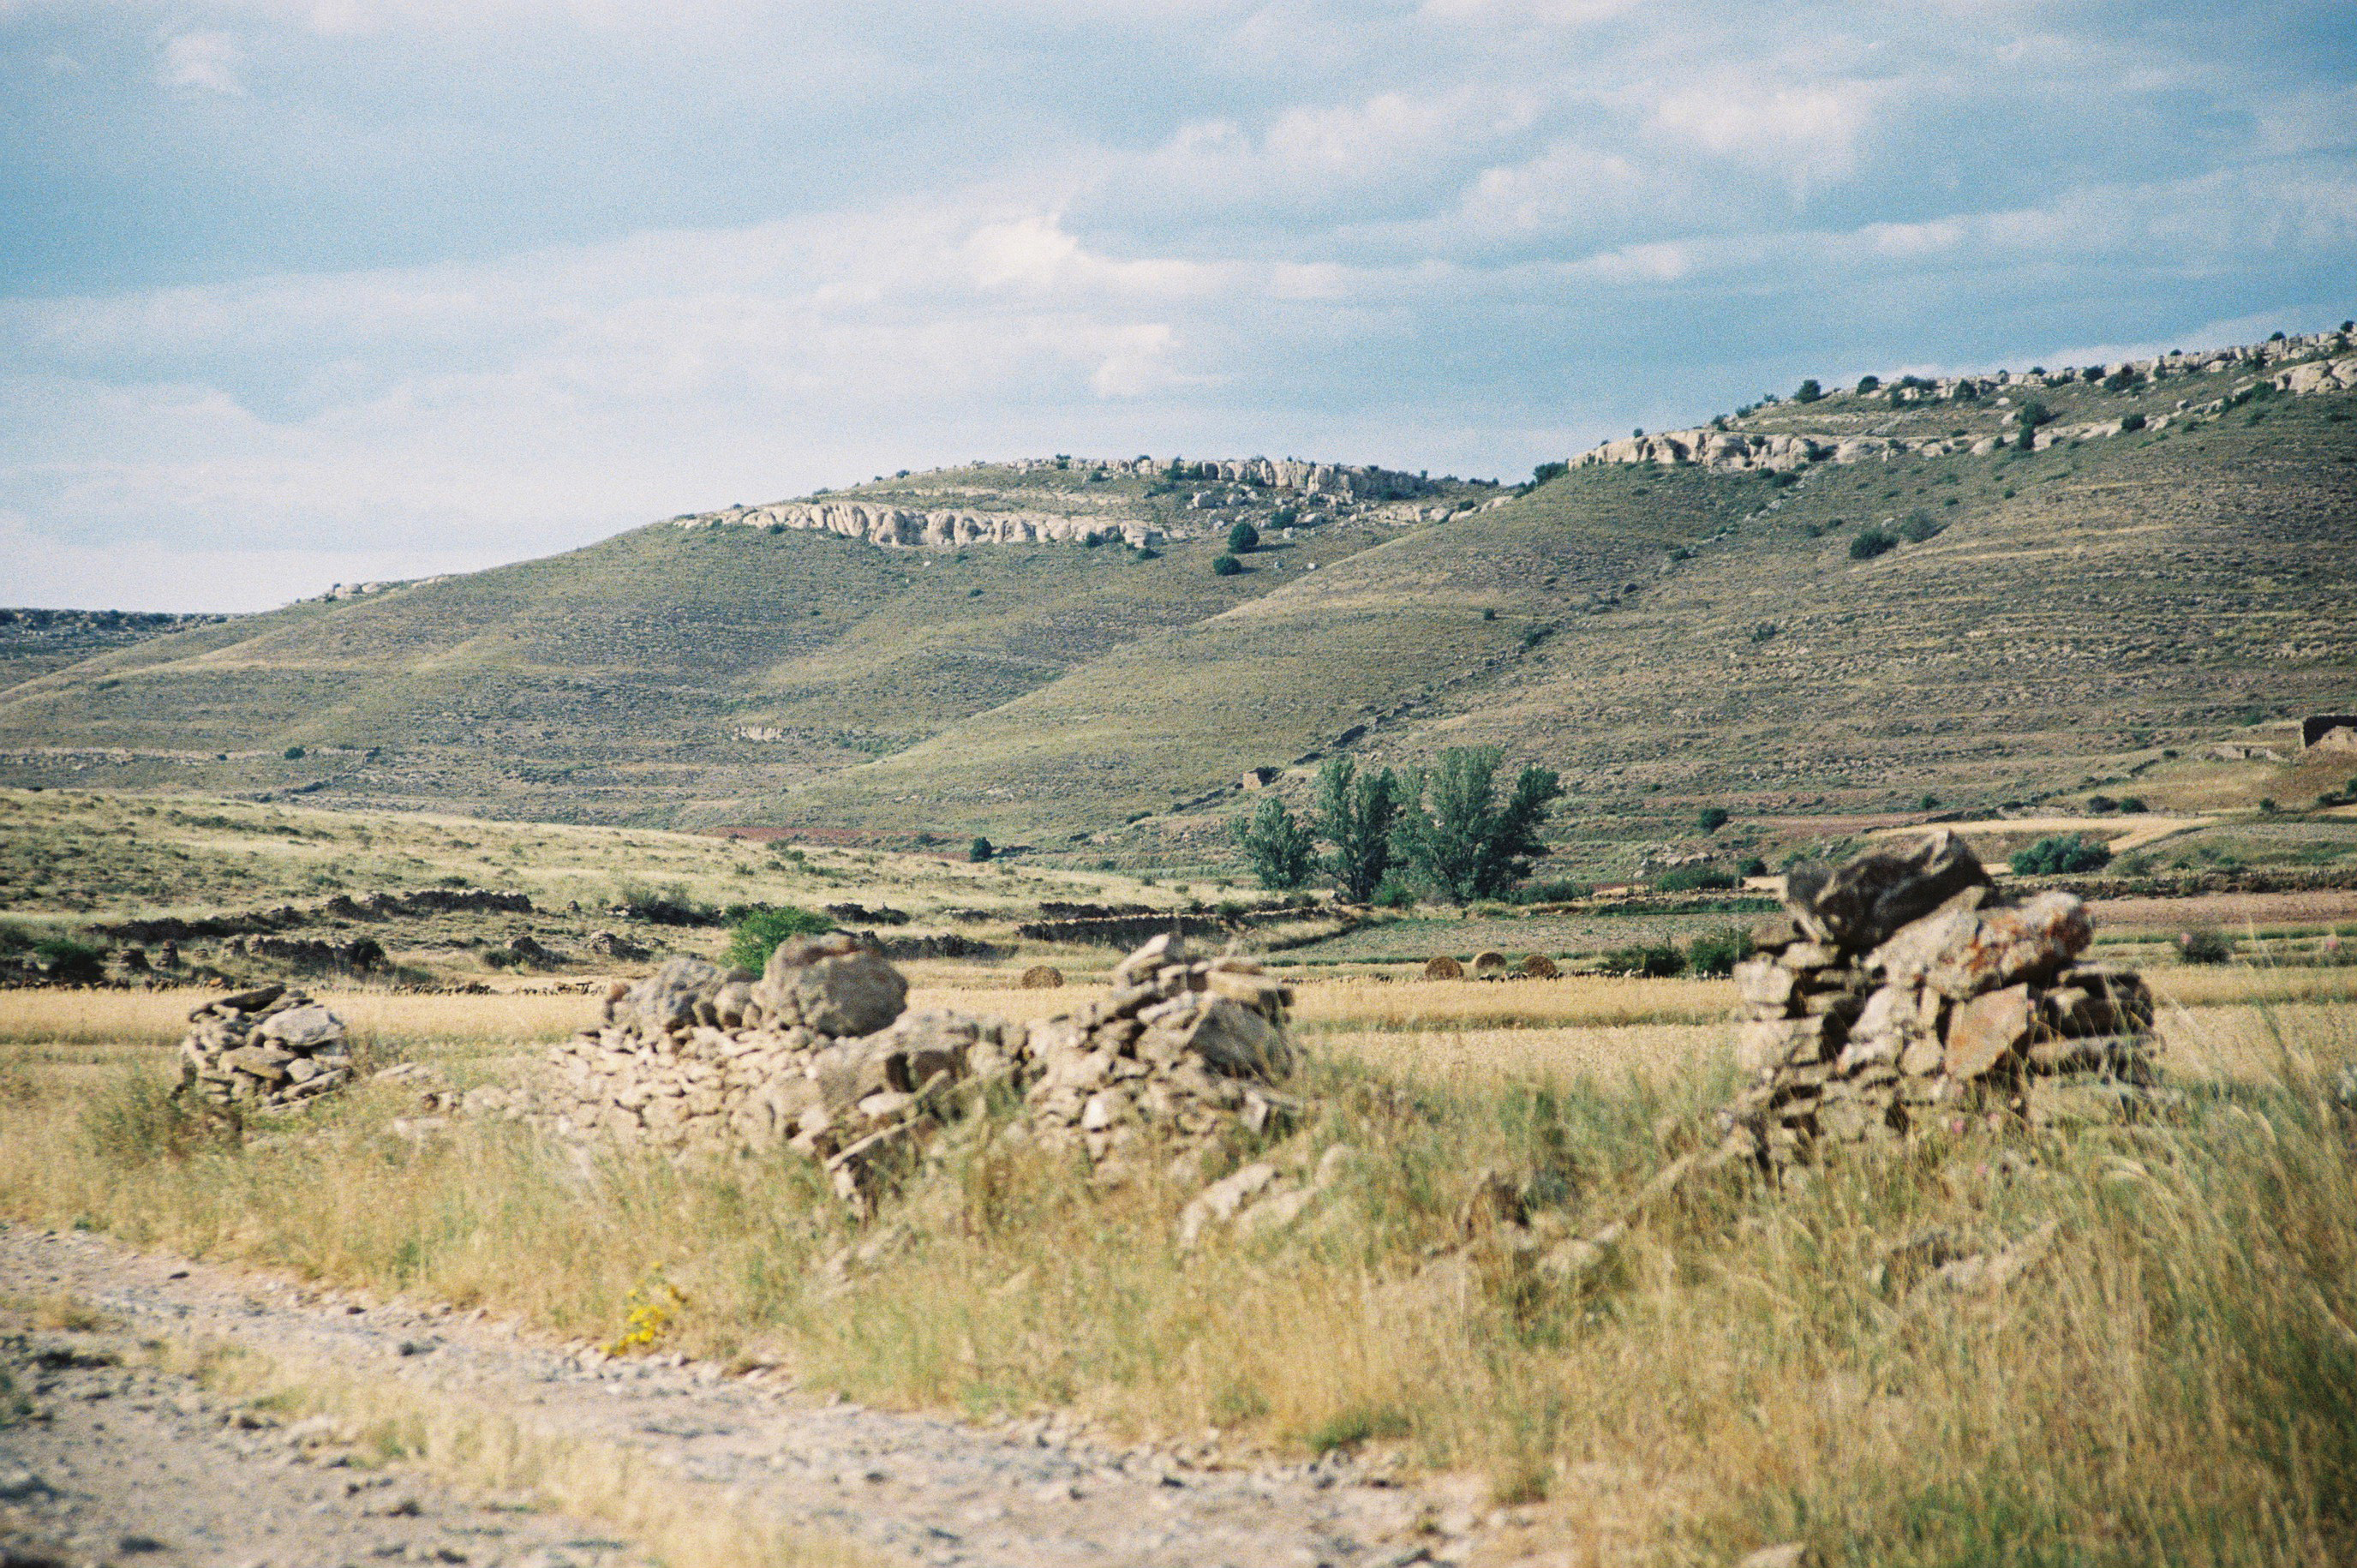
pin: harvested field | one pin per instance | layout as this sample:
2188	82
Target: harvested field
2229	911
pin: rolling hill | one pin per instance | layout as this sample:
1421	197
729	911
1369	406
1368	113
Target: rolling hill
1833	606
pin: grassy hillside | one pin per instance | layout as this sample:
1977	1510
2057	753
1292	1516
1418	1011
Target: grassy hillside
2037	625
1354	645
34	642
661	666
2086	617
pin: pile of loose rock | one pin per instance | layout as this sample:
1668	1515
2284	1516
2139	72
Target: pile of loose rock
1180	1051
269	1049
1901	987
817	1055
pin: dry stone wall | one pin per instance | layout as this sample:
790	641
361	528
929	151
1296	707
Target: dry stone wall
818	1056
1182	1050
1900	988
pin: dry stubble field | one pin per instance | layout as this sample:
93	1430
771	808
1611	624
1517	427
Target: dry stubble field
1752	1366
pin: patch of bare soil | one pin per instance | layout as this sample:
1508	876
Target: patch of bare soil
108	1458
151	1458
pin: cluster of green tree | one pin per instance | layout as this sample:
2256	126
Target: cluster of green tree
1446	828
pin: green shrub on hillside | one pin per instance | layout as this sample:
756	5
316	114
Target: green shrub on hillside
2059	855
980	850
1226	566
2033	415
1651	961
1711	819
1869	542
71	963
758	935
2205	944
1808	392
1694	879
1717	953
670	904
1556	891
1919	525
1244	538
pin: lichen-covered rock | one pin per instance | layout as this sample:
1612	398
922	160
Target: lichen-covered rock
1860	903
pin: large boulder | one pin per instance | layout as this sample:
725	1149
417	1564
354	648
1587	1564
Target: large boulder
1860	903
668	1001
831	984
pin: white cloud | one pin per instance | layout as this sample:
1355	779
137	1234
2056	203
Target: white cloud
1468	234
208	60
1809	131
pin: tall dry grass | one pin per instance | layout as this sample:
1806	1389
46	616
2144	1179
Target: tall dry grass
2169	1384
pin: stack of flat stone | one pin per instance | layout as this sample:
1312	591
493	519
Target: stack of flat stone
1180	1052
266	1049
816	1056
1901	987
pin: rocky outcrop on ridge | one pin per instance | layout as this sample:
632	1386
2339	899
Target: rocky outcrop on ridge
1737	451
881	523
1236	482
1334	481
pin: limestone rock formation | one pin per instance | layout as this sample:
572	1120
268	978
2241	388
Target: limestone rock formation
269	1049
882	523
1737	451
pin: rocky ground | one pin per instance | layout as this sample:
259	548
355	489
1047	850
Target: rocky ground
120	1462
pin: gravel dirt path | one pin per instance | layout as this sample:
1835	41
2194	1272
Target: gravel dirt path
126	1462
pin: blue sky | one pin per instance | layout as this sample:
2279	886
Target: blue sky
295	291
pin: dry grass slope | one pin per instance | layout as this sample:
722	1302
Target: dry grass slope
2169	1384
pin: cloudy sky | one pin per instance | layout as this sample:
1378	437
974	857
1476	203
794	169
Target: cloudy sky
295	291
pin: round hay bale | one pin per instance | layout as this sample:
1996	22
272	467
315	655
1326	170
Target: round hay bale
1489	965
1042	977
1443	968
1538	966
